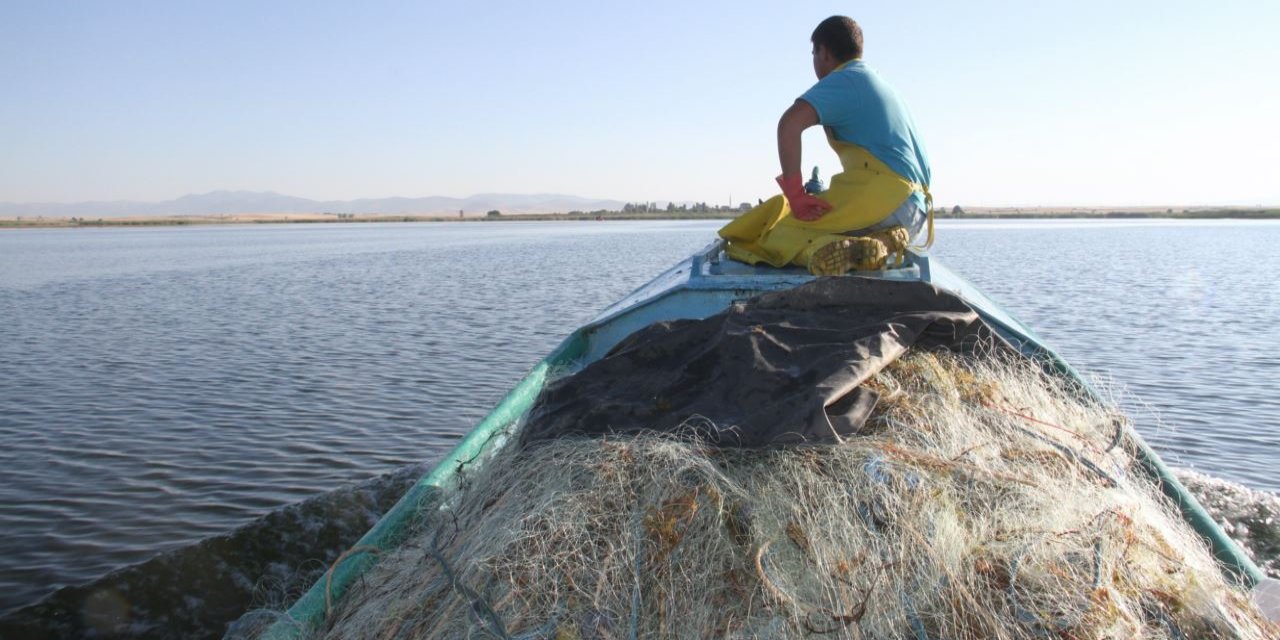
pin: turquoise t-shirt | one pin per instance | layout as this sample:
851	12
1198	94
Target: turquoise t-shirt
863	109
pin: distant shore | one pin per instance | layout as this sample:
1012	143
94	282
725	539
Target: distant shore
976	213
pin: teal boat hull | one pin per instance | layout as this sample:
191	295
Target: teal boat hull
698	287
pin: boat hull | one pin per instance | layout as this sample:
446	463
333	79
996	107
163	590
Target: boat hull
698	287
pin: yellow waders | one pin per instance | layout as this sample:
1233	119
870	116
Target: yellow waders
865	193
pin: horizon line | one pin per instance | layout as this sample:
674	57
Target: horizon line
949	205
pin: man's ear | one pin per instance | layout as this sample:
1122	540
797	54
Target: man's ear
825	54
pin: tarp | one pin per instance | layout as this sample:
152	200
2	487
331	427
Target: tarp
782	368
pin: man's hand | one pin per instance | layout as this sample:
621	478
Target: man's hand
803	206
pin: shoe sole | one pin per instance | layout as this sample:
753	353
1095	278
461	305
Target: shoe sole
895	240
851	254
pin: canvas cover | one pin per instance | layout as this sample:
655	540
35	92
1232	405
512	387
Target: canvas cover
782	368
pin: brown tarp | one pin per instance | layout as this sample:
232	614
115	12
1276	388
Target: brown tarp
781	368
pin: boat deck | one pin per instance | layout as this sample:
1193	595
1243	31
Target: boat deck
707	282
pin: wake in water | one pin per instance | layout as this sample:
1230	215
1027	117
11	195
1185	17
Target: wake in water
195	591
1251	518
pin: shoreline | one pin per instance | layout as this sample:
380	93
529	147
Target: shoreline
43	222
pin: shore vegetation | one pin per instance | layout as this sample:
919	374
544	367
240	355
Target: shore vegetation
641	211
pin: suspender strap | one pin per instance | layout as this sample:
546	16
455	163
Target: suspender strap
928	205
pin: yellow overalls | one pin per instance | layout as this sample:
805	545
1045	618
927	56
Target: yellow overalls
865	193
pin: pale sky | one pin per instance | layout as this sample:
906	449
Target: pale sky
1085	103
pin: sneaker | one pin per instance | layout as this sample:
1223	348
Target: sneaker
838	257
895	241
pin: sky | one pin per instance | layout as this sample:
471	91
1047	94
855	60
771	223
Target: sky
1083	103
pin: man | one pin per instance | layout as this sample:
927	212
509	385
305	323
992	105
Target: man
881	200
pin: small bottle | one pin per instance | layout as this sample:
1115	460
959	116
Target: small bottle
814	185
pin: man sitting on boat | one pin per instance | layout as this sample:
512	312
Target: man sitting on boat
876	206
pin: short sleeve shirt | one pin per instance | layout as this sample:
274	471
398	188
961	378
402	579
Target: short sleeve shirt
863	109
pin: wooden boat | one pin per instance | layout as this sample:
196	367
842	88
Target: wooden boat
698	287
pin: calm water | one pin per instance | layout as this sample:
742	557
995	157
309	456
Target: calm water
162	385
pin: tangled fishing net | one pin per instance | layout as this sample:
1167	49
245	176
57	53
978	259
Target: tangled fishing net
983	499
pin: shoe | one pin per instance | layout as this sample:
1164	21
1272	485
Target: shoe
895	241
838	257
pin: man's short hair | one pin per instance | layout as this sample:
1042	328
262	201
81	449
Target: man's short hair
841	36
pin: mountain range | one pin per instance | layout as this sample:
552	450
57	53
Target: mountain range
243	202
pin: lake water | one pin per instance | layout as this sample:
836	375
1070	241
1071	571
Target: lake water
159	386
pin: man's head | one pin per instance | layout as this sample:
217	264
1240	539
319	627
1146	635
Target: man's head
837	40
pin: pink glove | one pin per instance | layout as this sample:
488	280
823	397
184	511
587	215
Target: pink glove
803	206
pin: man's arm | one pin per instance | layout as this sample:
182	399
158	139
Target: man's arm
800	116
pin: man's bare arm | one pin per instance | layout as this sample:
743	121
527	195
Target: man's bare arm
800	116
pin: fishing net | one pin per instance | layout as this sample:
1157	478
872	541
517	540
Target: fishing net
981	499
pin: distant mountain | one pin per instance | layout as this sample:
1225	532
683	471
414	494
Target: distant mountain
233	202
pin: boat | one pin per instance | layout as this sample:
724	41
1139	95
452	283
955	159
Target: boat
699	287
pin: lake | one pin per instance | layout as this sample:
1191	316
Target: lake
163	385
